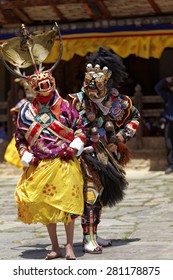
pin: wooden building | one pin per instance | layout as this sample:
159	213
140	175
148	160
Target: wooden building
141	33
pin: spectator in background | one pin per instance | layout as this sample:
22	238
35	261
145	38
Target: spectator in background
164	88
11	154
3	135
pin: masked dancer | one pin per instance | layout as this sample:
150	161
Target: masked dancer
49	138
110	120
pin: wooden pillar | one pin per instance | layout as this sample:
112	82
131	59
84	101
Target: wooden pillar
138	105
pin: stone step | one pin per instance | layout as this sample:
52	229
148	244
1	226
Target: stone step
156	157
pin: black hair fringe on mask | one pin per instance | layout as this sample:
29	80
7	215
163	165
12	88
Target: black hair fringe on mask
104	57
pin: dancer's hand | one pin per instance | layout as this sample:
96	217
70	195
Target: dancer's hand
88	149
77	145
119	137
26	158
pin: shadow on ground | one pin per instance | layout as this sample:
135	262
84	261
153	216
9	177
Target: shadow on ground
39	251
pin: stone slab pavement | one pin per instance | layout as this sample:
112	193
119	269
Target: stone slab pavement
141	226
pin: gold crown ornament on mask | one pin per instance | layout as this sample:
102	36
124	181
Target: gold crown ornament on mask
31	49
95	81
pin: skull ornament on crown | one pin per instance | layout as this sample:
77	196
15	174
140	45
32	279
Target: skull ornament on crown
31	49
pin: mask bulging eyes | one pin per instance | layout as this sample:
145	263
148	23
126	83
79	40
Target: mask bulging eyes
100	82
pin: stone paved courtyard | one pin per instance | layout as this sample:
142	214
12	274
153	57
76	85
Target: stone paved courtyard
141	226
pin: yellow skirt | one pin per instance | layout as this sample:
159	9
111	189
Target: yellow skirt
50	192
11	154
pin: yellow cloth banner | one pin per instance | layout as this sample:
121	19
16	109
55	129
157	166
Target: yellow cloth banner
144	44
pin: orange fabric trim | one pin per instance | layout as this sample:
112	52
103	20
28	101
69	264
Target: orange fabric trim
56	109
